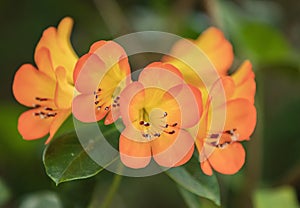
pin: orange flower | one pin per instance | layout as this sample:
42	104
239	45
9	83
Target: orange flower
219	149
211	47
48	89
99	76
156	110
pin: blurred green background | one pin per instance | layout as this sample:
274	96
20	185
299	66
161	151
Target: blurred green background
266	32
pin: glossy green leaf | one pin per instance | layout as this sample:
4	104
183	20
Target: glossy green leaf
191	178
65	159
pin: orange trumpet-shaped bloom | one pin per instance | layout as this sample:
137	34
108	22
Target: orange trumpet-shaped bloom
212	55
156	110
210	50
47	89
222	150
100	75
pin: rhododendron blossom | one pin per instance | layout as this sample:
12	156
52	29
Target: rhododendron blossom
219	149
48	89
100	76
156	110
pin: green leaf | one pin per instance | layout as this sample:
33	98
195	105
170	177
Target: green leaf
275	198
191	178
191	199
66	160
43	199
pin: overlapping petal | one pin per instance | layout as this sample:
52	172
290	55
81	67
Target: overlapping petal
100	75
155	111
47	88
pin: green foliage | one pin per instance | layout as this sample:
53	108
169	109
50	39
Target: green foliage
275	198
5	194
66	160
191	178
44	199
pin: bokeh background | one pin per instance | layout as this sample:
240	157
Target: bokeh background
266	32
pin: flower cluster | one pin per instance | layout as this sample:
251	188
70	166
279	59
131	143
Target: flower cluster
166	112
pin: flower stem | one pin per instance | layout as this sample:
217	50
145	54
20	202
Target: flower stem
112	191
106	202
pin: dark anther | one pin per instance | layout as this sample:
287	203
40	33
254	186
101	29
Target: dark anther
37	106
146	124
214	136
175	124
48	109
96	102
141	122
165	114
157	135
106	108
114	105
170	132
41	99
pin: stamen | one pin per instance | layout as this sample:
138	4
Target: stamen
48	109
214	136
141	122
106	108
41	99
157	135
170	132
36	105
173	125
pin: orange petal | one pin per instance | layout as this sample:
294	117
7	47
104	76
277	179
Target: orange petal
241	115
64	91
160	75
173	150
244	81
112	116
134	154
228	160
206	168
223	89
30	83
57	122
110	53
33	127
190	104
88	73
58	43
83	108
194	64
97	45
44	62
217	48
128	106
